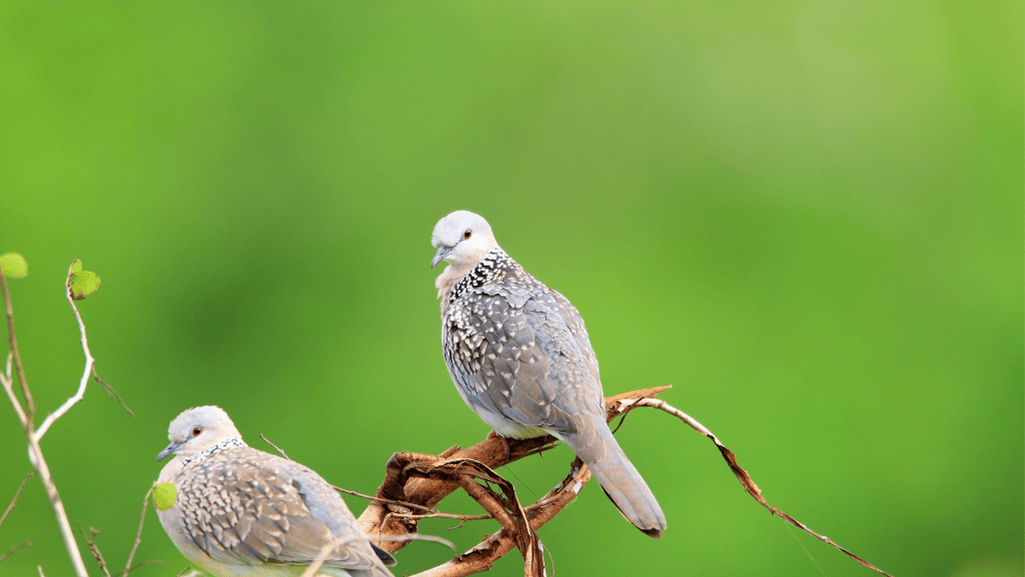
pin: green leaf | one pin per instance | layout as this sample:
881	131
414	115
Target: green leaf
13	265
164	496
82	283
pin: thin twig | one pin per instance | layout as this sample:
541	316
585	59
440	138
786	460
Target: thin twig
148	562
417	537
745	479
30	404
325	552
89	362
138	534
276	448
91	542
36	456
356	493
440	515
15	549
111	392
426	510
7	381
14	501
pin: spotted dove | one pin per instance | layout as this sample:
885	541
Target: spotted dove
240	511
520	357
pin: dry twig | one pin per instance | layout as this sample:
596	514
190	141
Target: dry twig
138	534
745	479
14	501
91	543
15	549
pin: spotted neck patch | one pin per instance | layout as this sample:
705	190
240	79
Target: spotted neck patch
229	443
493	262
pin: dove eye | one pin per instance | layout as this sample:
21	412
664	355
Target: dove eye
197	431
467	234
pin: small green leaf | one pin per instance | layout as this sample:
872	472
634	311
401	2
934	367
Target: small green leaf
164	496
82	283
13	265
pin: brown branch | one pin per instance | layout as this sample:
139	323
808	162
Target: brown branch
383	518
503	507
414	480
483	556
14	501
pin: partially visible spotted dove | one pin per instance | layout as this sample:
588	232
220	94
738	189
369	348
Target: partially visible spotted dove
240	511
521	359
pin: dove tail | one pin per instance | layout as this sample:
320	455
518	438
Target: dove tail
620	480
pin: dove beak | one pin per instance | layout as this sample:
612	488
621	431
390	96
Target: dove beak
443	252
170	450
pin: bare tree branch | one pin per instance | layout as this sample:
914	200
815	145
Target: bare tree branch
504	507
483	556
89	362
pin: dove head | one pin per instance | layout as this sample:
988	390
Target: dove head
199	429
462	238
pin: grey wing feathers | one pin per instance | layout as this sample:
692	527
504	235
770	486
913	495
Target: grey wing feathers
524	354
261	508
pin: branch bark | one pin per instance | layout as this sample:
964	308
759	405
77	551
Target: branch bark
412	481
403	483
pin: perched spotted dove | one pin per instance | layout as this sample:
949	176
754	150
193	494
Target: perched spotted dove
240	511
520	357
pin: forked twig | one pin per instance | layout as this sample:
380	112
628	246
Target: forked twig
91	543
32	436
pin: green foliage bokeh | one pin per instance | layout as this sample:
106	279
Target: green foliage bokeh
807	217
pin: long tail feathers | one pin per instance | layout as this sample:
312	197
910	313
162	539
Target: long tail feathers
620	480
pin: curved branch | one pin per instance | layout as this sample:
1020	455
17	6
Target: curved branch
406	481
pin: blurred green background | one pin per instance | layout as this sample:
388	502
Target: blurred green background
806	216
